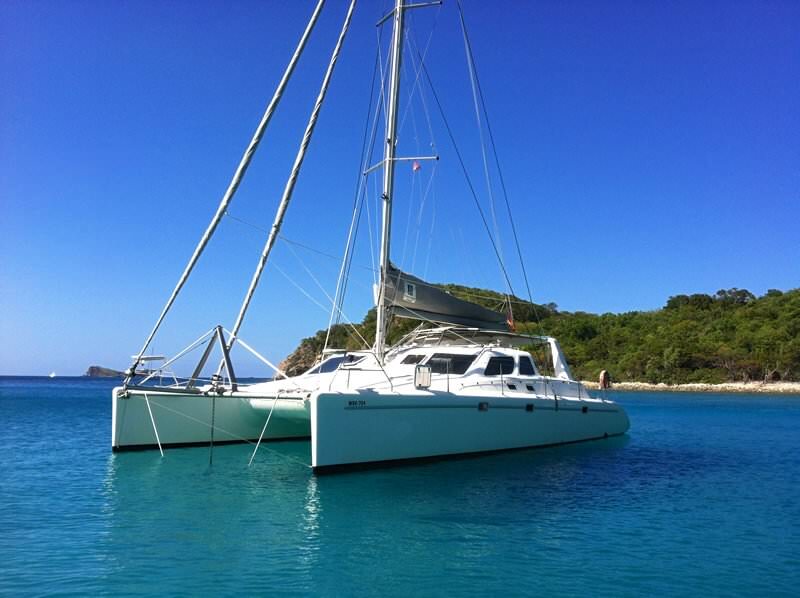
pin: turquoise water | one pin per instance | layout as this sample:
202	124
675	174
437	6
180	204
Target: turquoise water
701	498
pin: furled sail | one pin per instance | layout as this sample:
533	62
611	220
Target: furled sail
411	297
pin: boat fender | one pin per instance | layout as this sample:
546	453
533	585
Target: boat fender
584	409
529	407
483	406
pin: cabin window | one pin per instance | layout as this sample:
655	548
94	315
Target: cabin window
499	365
450	363
333	363
412	359
526	366
410	293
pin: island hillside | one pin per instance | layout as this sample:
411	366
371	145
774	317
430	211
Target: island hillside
730	336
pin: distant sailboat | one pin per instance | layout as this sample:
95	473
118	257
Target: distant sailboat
52	375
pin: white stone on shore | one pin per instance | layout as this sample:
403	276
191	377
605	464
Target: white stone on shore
745	387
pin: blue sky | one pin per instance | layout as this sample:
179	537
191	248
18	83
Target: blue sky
649	149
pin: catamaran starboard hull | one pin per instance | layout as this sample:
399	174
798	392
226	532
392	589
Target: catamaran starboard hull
356	429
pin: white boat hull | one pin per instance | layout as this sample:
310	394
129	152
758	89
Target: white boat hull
360	428
186	419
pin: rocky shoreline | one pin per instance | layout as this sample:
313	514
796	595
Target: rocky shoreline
744	387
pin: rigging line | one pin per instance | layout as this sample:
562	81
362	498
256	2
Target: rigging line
422	203
428	250
310	273
234	184
379	108
467	178
269	364
383	75
260	229
228	432
285	239
191	347
376	210
346	279
347	262
500	172
411	195
317	303
313	278
458	232
358	199
347	259
416	85
364	180
415	47
385	112
318	252
485	161
370	233
292	180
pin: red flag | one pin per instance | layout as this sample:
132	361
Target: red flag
415	166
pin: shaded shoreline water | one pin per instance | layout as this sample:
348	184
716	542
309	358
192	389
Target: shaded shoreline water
699	498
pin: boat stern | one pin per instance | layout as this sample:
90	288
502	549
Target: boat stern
115	397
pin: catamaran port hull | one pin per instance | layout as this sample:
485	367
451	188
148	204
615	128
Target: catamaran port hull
186	419
361	428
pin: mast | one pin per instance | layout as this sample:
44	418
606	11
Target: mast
390	141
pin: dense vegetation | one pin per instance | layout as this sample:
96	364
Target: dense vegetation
732	335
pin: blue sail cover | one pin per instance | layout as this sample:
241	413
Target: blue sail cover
412	297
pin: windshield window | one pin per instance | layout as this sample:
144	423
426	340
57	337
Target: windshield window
499	365
450	363
526	366
331	364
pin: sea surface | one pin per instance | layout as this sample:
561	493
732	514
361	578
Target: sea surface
701	498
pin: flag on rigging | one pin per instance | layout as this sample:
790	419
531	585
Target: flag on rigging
416	166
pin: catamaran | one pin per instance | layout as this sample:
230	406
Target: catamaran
462	382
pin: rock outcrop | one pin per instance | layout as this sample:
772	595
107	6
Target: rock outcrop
96	371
